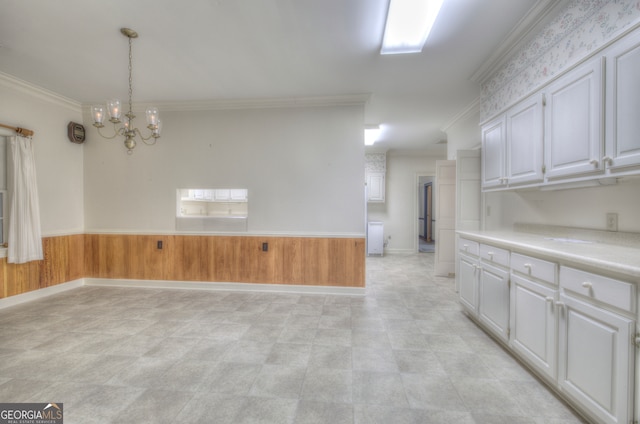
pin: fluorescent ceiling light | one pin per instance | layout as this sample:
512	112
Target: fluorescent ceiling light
371	134
408	25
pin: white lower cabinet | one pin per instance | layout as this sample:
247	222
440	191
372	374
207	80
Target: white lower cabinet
576	329
493	304
534	325
468	277
596	355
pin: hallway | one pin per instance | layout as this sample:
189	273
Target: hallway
403	353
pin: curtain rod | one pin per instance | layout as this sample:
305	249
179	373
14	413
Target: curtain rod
22	131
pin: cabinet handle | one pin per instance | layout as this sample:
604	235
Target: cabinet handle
594	162
490	253
607	160
587	285
549	299
528	266
561	304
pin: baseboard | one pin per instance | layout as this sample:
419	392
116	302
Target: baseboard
222	286
40	293
399	251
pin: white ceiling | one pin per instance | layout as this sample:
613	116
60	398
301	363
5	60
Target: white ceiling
259	49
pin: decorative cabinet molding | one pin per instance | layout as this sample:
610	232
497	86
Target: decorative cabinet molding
623	103
573	122
493	153
524	141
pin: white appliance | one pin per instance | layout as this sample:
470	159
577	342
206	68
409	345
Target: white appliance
375	238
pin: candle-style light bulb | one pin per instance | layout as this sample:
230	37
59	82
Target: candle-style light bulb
152	117
98	115
115	110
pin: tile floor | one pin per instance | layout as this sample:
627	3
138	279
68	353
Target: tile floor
404	353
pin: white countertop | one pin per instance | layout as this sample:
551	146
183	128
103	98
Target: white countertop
624	260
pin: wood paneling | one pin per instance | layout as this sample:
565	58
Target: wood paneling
288	260
63	261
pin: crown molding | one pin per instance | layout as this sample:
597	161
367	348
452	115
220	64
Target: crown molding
473	107
263	103
24	87
537	16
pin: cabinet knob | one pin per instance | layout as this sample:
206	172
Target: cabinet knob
587	285
594	162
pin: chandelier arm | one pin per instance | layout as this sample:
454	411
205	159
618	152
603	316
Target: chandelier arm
116	133
146	139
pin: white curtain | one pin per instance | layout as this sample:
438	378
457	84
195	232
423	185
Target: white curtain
25	235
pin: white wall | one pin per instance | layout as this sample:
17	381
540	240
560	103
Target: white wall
59	165
400	210
579	208
464	133
303	167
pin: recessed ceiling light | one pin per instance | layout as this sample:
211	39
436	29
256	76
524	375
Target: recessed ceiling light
408	25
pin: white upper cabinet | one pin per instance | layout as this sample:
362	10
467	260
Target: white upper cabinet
524	142
375	187
623	104
493	153
573	122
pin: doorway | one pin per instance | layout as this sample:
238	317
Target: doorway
426	218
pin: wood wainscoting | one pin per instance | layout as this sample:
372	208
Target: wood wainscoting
288	260
63	262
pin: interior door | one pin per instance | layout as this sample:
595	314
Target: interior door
445	211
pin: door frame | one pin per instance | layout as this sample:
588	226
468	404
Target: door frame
416	206
428	212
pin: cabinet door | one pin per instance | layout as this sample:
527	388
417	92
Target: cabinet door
375	185
573	122
524	142
596	359
623	103
468	272
493	303
493	153
533	324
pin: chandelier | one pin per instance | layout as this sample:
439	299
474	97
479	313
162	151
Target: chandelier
114	109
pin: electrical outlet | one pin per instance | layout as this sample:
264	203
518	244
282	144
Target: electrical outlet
612	222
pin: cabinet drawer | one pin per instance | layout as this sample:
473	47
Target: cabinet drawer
494	255
468	246
616	293
534	267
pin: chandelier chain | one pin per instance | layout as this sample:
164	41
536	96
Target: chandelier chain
130	79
